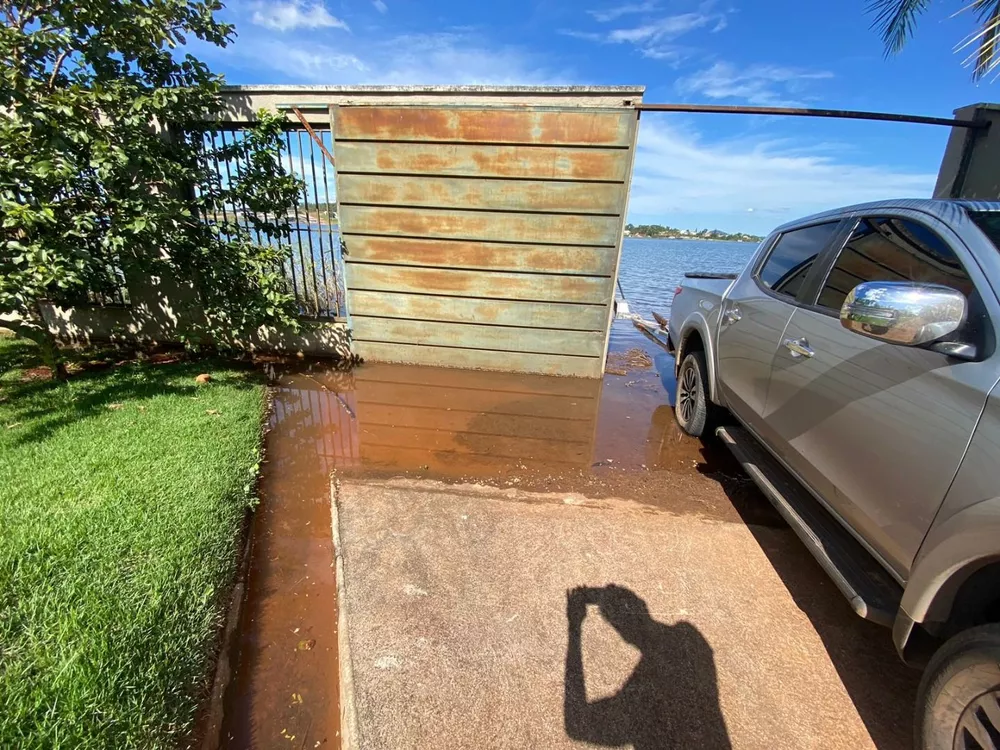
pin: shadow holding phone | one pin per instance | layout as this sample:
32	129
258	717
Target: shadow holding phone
671	700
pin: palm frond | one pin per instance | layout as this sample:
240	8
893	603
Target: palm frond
895	20
989	36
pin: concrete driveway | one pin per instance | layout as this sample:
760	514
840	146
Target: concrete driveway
686	629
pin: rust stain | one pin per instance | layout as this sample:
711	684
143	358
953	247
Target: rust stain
486	193
544	162
457	253
565	229
478	284
427	162
384	160
523	125
431	279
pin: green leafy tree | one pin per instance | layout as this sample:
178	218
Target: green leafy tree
104	173
896	21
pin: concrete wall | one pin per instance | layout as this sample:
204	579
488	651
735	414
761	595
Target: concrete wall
970	168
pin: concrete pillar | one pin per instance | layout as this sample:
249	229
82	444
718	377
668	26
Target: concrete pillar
970	168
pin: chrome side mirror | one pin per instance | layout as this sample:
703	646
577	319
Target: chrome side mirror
903	312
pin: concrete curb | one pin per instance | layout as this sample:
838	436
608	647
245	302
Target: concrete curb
349	736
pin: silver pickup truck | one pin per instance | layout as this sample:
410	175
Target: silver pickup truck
853	368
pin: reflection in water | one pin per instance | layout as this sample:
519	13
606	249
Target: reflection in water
442	422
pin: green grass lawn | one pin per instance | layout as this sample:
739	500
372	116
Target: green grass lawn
122	498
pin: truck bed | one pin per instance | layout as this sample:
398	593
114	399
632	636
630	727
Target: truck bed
700	293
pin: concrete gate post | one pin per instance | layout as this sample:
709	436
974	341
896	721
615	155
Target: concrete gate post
970	168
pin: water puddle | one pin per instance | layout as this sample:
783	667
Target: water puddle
613	437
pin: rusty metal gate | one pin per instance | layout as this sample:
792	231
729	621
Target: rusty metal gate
483	237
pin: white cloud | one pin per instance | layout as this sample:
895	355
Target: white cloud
653	38
771	85
610	14
670	27
295	14
380	6
440	58
678	174
314	62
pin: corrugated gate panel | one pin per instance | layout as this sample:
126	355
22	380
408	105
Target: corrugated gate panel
483	237
474	336
466	310
593	290
492	256
455	223
466	160
470	192
492	125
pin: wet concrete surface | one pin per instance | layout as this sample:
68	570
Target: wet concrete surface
481	617
609	438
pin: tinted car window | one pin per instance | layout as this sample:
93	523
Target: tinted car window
990	224
885	249
792	257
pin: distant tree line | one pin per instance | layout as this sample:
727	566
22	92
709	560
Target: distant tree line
661	232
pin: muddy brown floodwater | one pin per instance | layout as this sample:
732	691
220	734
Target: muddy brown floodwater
602	438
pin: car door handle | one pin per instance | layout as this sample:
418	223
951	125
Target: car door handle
732	315
799	348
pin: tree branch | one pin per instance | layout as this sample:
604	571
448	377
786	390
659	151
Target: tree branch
56	67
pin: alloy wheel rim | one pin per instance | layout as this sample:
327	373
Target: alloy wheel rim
687	393
979	725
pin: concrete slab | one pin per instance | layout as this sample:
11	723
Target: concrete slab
691	631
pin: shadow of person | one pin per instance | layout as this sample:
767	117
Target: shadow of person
671	700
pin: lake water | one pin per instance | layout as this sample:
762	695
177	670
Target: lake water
652	269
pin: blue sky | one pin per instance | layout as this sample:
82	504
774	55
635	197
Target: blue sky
723	171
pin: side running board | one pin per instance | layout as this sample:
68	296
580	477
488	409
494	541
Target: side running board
872	592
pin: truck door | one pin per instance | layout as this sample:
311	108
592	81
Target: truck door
755	313
878	430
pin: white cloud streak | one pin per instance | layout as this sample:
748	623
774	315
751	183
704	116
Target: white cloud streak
295	14
771	85
654	38
439	58
380	6
611	14
758	183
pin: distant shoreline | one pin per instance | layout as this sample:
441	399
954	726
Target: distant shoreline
688	239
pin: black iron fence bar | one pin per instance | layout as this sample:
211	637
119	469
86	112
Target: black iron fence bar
205	152
298	230
843	114
319	223
305	202
330	239
319	235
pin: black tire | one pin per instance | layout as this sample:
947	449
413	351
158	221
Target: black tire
691	406
958	703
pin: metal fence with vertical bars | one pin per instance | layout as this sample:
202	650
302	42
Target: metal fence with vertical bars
312	268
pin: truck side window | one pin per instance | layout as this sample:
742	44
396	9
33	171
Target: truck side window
793	255
887	249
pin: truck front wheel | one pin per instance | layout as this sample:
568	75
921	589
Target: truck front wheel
958	704
691	405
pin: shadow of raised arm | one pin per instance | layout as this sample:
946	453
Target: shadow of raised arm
671	698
